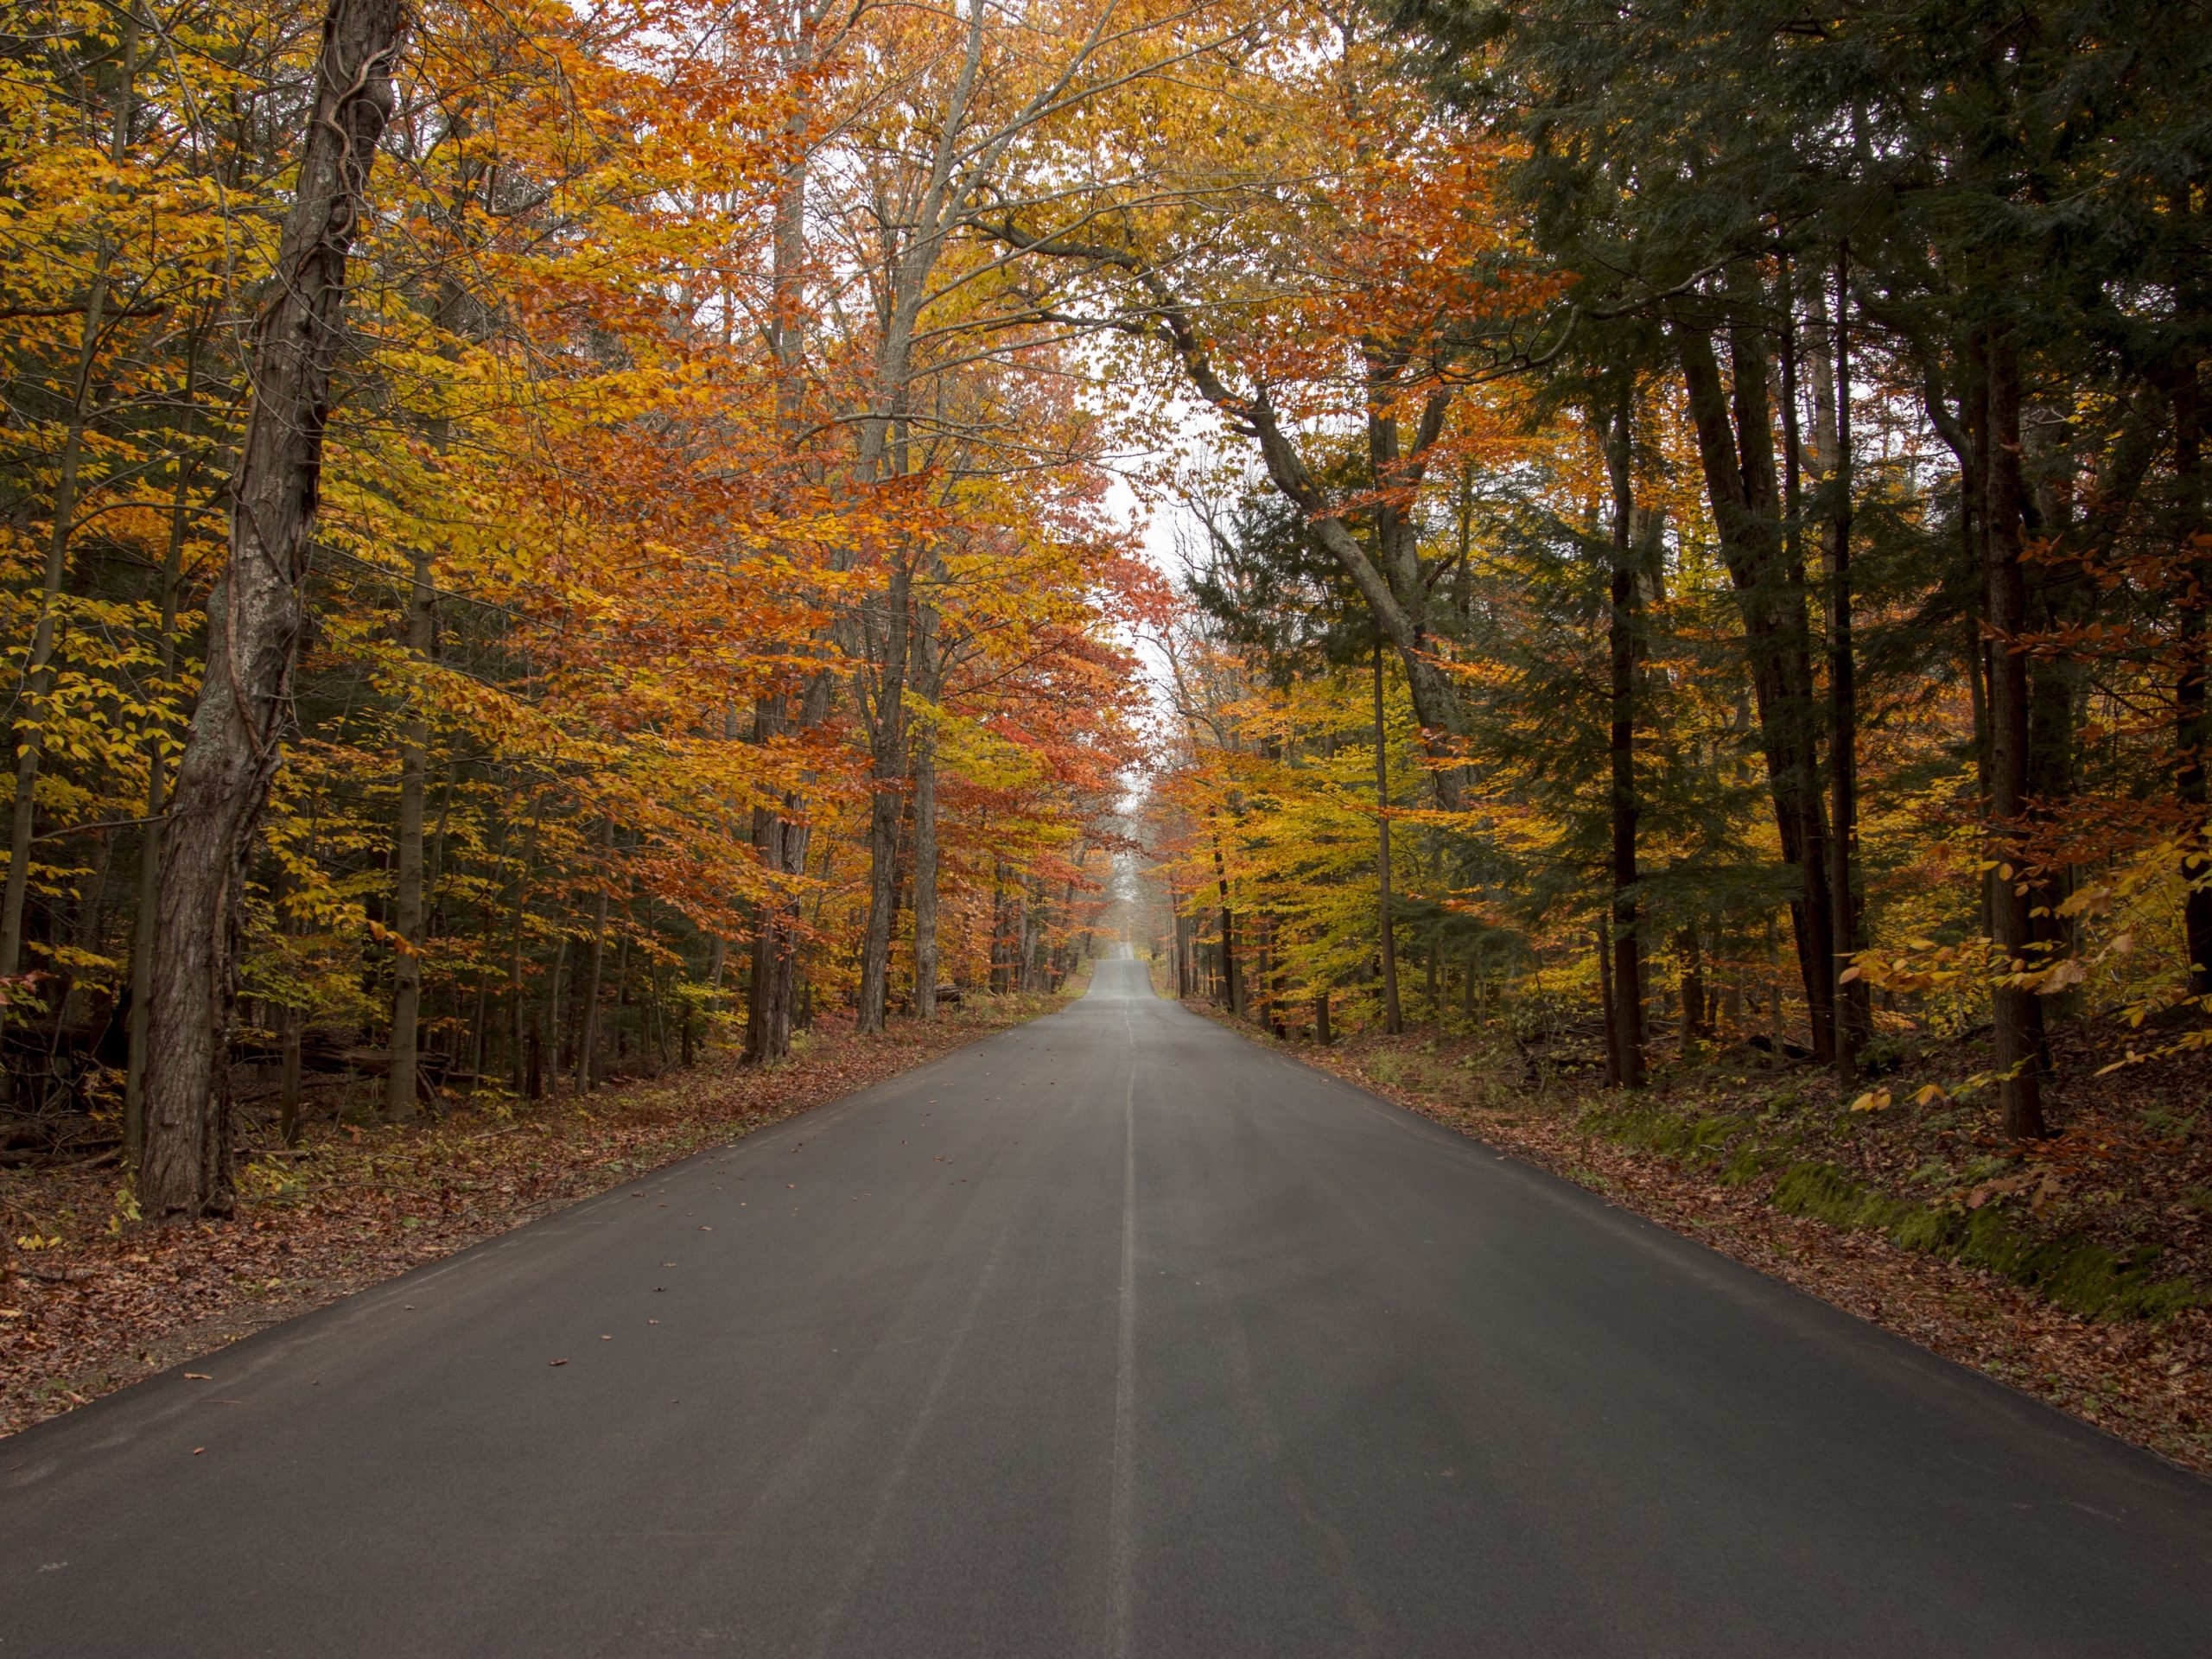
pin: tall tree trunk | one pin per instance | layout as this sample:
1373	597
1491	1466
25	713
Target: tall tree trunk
1697	1014
1626	1026
587	1075
545	1040
926	858
400	1081
767	1013
884	805
1607	1012
783	840
1232	977
518	1016
1393	1020
149	895
2193	730
995	971
1853	1017
779	838
1738	462
255	616
2016	1014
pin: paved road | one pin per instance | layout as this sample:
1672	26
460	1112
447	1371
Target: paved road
1112	1336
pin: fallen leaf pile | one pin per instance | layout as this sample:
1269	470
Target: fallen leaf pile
99	1305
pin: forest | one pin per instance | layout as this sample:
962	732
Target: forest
543	541
1727	560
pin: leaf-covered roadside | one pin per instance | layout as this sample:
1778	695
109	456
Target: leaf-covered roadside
90	1303
2079	1272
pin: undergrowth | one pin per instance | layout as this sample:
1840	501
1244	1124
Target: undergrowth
2078	1274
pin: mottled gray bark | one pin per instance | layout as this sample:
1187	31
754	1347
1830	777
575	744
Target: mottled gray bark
254	617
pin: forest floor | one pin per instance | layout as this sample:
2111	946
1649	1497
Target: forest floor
90	1302
2079	1272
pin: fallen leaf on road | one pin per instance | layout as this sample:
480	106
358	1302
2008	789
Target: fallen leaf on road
198	1376
556	1361
197	1450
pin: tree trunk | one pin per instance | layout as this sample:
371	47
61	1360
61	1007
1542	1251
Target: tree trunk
925	857
783	840
2192	730
399	1094
1232	977
1853	1018
1607	1014
1697	1018
1625	1027
586	1074
2016	1014
149	843
254	617
767	1013
885	806
779	839
517	1013
1393	1020
1737	462
545	1040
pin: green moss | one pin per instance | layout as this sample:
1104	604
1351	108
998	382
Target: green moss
1825	1192
1748	1164
2083	1277
1928	1231
1654	1128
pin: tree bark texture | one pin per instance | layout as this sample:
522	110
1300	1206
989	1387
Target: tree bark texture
399	1099
1736	457
1626	1026
587	1039
254	617
885	806
1854	1015
1393	1020
1232	977
149	895
2193	730
925	857
2016	1014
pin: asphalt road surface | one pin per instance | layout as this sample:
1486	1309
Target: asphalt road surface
1114	1335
